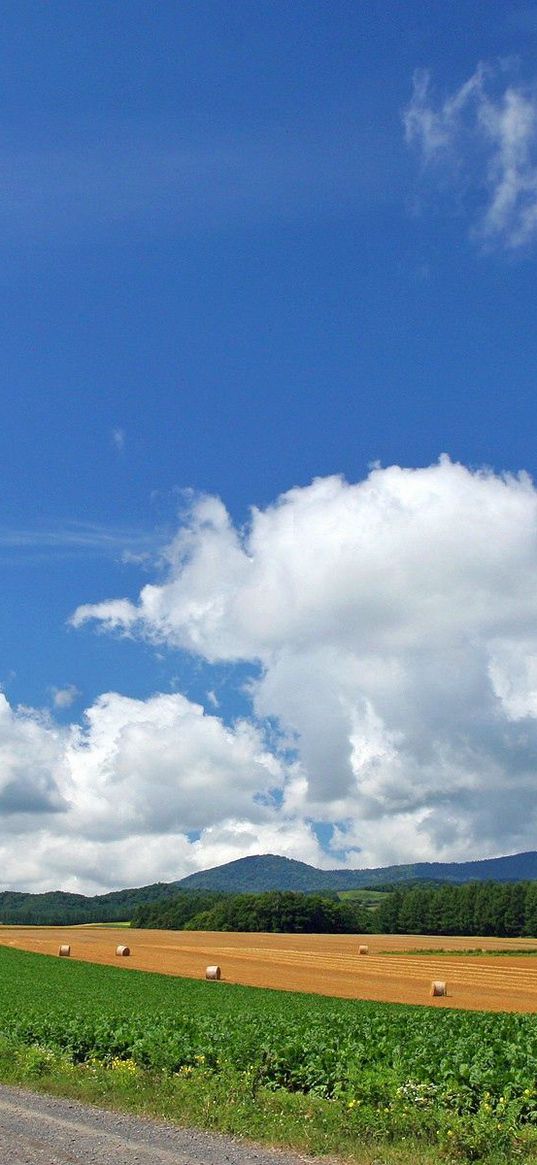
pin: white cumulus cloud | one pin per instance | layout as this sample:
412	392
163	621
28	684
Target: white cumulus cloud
394	622
32	754
392	628
162	765
64	697
142	790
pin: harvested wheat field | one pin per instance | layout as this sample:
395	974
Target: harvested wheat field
392	971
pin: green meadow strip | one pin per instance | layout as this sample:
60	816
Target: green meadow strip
466	952
319	1074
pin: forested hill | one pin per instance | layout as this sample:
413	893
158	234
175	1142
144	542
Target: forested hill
254	875
62	909
270	872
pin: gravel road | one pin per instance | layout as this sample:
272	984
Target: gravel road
43	1130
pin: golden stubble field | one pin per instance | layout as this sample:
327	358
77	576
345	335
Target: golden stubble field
392	971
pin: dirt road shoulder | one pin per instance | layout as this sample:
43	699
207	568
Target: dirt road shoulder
42	1130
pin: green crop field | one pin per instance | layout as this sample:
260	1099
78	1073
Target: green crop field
112	925
464	1082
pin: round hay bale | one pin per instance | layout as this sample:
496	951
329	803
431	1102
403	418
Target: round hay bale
64	950
438	987
363	949
121	950
213	973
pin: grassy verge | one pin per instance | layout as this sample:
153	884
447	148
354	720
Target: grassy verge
473	952
221	1105
369	1083
365	1135
113	925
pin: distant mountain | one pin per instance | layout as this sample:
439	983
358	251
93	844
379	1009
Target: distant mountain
270	872
262	872
251	875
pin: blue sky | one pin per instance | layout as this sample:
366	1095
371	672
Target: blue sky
248	248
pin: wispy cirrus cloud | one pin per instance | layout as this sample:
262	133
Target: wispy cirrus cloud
118	440
77	540
480	142
83	185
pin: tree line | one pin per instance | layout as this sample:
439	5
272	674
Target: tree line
283	911
505	910
501	909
